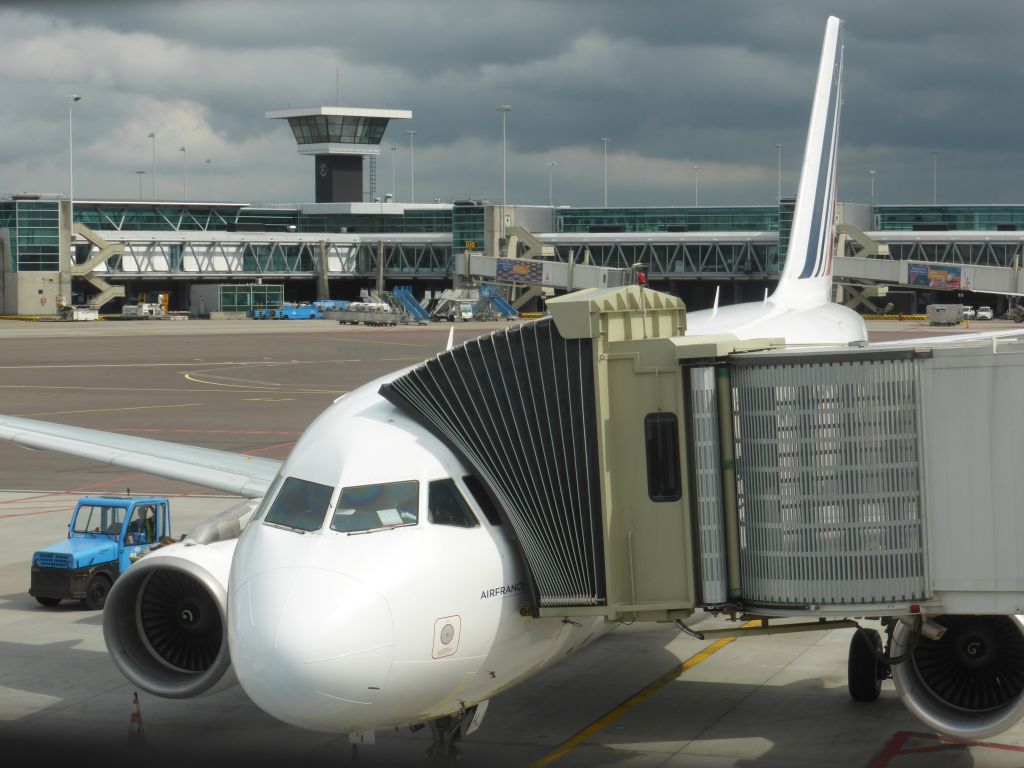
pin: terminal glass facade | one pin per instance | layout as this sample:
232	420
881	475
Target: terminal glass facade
242	298
155	217
162	217
787	206
412	221
467	228
34	230
690	219
949	217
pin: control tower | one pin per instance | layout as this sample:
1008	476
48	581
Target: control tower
339	138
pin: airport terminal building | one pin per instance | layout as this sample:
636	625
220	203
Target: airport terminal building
332	250
96	252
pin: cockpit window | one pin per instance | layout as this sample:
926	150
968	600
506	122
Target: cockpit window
482	499
371	507
445	505
300	505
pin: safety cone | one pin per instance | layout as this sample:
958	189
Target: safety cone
135	729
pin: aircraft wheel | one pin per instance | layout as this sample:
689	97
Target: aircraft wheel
96	592
864	671
49	602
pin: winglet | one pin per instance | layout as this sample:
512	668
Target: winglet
451	339
807	277
714	308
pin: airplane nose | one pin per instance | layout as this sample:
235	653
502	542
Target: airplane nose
311	647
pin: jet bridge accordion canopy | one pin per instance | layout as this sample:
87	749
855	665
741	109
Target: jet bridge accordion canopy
830	481
517	406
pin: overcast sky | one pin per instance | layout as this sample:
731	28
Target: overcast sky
672	84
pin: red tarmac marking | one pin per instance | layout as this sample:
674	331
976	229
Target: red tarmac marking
897	746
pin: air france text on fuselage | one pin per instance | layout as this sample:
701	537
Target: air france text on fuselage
508	589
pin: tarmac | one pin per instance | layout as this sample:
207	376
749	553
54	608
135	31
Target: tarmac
642	695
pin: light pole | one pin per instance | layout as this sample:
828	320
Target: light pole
140	174
779	148
209	169
184	162
412	167
504	109
394	149
935	175
71	164
872	187
551	169
605	140
696	180
152	135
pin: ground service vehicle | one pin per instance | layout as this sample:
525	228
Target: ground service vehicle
985	313
106	534
944	314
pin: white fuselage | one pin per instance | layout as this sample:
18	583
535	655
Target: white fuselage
337	631
822	324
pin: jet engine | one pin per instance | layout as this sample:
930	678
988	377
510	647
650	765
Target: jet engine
969	682
165	620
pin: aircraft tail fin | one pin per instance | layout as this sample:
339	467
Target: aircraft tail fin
807	277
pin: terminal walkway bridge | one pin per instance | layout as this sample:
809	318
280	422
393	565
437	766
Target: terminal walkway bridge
233	242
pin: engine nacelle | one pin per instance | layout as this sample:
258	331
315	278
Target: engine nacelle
968	684
165	620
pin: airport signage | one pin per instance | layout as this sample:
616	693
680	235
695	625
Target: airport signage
933	276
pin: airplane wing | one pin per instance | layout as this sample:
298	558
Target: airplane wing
1012	334
248	476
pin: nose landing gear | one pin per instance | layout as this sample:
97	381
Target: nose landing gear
448	730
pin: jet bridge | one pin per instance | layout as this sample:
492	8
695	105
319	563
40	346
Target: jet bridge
644	473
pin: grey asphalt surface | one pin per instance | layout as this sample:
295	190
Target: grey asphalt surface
253	387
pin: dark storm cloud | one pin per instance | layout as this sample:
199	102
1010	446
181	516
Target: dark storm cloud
673	84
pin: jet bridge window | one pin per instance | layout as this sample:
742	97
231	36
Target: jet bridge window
661	433
300	504
445	506
373	507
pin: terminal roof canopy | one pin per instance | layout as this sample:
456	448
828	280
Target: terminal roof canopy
339	130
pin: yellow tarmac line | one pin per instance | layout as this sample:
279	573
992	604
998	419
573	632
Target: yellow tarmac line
107	410
637	698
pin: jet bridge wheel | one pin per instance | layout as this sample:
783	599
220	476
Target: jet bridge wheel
865	670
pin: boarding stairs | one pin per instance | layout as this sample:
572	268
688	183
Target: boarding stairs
409	304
